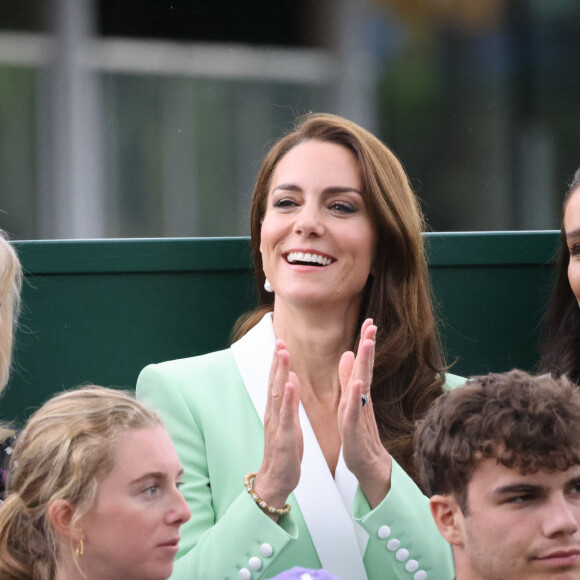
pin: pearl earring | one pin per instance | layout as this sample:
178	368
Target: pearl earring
268	286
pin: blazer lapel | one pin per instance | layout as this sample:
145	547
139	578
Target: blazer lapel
325	504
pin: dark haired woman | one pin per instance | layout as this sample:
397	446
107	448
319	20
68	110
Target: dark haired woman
321	439
561	324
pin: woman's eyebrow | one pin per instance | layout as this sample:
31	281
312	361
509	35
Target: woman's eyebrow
328	190
341	189
288	187
154	475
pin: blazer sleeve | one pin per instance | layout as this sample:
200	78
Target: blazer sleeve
453	381
243	539
403	537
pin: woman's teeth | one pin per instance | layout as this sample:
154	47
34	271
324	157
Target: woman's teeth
308	258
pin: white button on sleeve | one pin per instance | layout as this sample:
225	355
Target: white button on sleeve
245	574
402	554
255	563
393	544
411	565
420	575
266	550
384	532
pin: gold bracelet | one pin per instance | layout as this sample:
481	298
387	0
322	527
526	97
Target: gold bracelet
261	503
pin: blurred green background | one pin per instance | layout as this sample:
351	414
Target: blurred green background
149	118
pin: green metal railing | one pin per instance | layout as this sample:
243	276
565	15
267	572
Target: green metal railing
100	310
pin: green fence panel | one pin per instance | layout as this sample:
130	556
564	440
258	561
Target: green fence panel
98	311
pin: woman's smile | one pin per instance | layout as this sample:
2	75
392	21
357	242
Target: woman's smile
308	258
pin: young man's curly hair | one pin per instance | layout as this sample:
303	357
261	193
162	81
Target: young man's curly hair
523	421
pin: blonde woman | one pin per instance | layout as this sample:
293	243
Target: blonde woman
93	492
10	285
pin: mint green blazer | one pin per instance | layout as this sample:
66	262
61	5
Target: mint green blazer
219	437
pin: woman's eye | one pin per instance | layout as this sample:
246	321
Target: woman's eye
575	250
151	490
284	202
341	207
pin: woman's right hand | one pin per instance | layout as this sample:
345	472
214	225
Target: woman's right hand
283	443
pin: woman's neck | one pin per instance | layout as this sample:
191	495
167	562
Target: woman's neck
316	341
68	572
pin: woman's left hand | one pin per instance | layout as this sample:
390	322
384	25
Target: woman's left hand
362	449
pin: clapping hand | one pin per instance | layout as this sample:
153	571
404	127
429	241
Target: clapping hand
283	443
362	449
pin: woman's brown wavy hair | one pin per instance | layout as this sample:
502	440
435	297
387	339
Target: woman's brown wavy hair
409	370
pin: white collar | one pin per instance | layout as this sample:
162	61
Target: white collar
326	503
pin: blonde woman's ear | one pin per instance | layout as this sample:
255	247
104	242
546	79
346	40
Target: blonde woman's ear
60	514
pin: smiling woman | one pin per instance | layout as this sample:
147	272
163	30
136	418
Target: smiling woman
297	441
317	240
93	492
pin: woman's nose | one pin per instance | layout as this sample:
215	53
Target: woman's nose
309	221
179	512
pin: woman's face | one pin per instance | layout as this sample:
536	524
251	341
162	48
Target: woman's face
572	229
317	238
132	532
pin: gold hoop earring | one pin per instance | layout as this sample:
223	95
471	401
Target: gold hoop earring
80	549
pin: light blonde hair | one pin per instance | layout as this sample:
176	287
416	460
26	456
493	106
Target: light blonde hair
64	451
10	286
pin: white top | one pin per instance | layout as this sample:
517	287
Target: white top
326	503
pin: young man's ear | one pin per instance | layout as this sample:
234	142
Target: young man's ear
448	518
60	514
